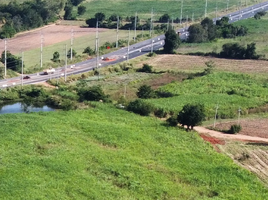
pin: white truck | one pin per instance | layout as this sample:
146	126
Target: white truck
48	71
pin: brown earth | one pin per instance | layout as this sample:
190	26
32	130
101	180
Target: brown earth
197	63
51	34
248	151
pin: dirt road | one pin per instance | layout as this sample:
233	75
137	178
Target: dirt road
221	135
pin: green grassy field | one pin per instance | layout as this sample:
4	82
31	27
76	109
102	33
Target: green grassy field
229	90
160	7
107	153
32	57
256	33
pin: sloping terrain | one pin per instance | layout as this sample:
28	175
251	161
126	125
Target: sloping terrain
107	153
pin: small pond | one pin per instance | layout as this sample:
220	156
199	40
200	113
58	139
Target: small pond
19	107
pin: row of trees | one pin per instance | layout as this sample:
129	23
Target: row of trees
208	31
68	9
16	17
131	21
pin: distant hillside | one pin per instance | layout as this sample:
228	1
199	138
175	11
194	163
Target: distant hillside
107	153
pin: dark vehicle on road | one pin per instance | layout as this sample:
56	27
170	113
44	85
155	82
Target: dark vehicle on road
26	77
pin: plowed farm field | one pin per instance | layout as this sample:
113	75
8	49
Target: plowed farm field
248	149
51	34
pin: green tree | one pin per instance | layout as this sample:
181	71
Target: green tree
81	10
146	68
210	28
91	22
69	53
89	51
172	40
191	115
145	92
140	107
100	16
94	93
56	57
68	12
197	34
7	31
164	18
76	2
13	62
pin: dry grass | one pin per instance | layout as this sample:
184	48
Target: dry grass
187	63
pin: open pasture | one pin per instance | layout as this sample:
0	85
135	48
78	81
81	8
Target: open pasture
190	8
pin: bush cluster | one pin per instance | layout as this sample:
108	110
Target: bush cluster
236	128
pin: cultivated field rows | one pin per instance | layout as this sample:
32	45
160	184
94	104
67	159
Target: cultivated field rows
252	156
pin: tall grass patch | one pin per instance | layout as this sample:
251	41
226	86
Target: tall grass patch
229	90
108	153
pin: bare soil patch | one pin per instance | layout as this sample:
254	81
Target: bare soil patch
252	127
197	63
51	34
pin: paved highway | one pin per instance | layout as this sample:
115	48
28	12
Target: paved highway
123	54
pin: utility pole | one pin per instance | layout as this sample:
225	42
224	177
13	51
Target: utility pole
206	7
172	23
72	40
216	10
216	111
21	69
151	27
135	26
97	49
152	45
227	6
117	30
192	17
65	75
239	113
186	22
125	90
5	59
128	45
97	36
41	51
181	11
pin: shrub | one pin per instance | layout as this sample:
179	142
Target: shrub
172	121
140	107
151	54
163	94
161	113
94	93
236	128
67	104
146	68
145	92
89	51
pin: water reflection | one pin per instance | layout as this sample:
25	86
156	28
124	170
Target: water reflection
24	107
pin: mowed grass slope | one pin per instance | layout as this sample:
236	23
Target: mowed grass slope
229	90
107	153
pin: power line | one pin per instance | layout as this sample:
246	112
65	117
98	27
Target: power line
72	35
22	69
117	30
181	11
5	58
65	76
